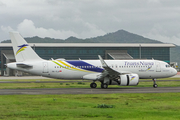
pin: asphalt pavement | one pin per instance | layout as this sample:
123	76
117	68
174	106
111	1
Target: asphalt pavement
89	90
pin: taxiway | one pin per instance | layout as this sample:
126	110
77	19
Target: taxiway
89	90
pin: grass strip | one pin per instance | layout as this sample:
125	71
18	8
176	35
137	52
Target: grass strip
81	84
134	106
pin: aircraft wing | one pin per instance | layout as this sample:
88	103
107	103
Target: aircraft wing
112	74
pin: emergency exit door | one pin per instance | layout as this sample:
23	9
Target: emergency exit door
45	67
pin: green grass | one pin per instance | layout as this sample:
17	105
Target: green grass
80	84
42	85
132	106
156	106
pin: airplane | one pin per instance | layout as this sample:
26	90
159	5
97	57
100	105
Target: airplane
108	72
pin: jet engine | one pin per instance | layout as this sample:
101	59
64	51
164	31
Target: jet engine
123	80
128	79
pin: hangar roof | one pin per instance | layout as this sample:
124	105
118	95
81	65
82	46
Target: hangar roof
94	45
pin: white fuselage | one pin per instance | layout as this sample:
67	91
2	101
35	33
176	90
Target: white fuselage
76	69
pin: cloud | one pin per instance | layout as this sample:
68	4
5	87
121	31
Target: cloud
90	18
27	28
6	29
163	38
160	32
2	4
92	31
154	1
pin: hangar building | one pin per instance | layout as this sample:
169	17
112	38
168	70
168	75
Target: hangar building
74	51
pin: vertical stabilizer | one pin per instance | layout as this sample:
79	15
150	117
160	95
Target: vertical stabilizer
22	51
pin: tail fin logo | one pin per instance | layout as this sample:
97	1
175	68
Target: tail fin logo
21	48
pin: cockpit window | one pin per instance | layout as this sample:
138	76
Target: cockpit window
168	66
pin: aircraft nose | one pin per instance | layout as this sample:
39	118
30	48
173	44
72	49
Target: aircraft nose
173	71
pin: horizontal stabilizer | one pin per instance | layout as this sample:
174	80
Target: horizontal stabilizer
22	65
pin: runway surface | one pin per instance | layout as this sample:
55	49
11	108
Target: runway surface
89	90
71	81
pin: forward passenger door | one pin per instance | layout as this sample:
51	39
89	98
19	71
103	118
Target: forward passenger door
158	67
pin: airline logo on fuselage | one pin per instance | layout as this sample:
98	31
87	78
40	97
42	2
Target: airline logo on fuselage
127	63
21	48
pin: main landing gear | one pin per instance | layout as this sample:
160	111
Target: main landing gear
93	85
155	85
103	85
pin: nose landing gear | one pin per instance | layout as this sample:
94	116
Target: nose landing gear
155	85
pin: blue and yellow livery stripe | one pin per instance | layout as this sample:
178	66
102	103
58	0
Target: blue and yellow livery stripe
56	62
67	65
82	63
21	48
72	68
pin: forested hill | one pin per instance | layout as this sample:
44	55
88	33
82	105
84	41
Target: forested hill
121	36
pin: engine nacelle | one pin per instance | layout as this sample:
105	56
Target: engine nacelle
128	79
124	80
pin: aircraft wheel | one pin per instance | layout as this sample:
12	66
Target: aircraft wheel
93	85
155	85
104	85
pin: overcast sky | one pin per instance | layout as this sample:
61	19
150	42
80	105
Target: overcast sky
155	19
